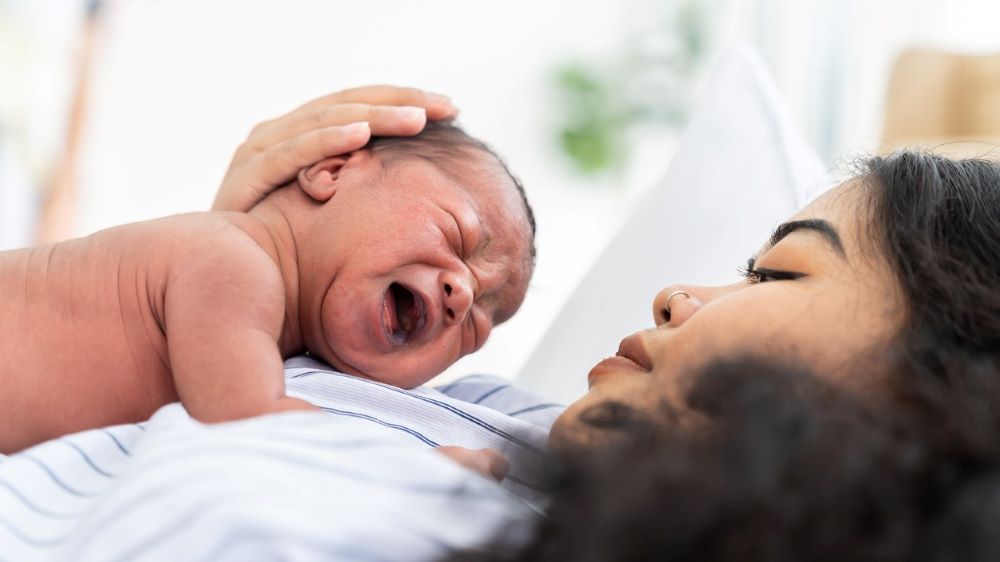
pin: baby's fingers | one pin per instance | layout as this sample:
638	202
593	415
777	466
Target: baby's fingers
488	463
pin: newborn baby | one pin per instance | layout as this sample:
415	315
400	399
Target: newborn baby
425	245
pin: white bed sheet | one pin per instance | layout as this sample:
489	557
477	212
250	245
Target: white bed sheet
358	483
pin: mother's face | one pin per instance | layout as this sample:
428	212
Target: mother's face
816	294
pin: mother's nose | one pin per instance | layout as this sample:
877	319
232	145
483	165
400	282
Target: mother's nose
675	304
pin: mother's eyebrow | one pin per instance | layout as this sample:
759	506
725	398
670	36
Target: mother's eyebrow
817	225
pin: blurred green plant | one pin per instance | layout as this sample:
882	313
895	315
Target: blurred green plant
648	84
593	121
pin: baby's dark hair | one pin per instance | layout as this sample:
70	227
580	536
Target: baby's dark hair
445	145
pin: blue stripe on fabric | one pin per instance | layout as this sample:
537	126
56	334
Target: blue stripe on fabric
186	518
307	373
418	435
140	426
57	480
206	506
325	550
464	380
534	408
123	511
31	541
465	415
402	428
446	387
329	551
117	442
491	393
87	458
35	507
517	480
471	418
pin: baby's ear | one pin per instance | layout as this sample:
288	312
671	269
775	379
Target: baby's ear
320	180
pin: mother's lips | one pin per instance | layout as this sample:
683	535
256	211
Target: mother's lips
632	357
612	365
634	348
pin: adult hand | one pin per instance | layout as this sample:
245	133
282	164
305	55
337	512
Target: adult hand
328	126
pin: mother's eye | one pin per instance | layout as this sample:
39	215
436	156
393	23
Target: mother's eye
755	274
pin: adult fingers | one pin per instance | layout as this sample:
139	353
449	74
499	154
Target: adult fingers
384	120
275	166
438	106
282	161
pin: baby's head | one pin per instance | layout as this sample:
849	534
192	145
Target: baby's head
425	245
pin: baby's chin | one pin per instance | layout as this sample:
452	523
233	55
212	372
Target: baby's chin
402	372
400	377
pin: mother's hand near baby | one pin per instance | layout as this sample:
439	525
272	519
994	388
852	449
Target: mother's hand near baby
328	126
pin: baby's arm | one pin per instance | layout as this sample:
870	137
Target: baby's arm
224	307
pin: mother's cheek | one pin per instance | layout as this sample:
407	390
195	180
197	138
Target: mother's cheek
568	436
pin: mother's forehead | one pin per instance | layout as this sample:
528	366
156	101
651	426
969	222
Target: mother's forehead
844	206
845	196
847	209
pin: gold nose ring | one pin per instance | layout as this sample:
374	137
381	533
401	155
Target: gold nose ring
672	295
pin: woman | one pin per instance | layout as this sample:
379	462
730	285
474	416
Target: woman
885	289
880	442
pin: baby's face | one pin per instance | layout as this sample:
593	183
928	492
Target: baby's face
406	270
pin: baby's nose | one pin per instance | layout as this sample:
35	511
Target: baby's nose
457	295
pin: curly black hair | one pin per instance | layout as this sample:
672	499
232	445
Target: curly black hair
785	467
789	467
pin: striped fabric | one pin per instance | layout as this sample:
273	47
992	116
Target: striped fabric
360	483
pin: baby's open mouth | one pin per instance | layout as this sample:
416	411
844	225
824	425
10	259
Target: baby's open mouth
405	314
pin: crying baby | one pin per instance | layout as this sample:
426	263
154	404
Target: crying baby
425	244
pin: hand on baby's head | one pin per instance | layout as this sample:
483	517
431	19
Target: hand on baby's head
424	246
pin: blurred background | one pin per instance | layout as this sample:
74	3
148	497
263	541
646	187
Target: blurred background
122	110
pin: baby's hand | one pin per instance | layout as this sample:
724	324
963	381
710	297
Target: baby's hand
329	126
488	463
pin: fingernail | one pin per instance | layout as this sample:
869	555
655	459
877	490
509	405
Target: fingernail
410	112
498	464
361	127
439	98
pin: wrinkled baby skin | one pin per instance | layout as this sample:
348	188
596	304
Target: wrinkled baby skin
401	272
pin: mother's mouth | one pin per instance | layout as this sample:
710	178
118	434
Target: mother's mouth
405	314
611	366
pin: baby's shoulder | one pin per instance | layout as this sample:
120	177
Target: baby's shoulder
215	241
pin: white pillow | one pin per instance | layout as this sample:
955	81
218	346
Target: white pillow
740	170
